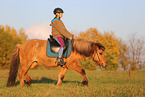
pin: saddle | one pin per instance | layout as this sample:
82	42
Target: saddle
53	47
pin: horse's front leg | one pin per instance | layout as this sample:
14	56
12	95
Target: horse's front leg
80	70
61	75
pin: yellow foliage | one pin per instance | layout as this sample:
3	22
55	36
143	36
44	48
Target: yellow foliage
9	37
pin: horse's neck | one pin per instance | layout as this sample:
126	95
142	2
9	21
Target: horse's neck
77	56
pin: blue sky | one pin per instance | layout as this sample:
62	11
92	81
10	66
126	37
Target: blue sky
122	17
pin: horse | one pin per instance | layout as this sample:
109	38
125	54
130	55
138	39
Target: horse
33	51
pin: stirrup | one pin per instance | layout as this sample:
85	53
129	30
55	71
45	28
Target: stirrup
61	63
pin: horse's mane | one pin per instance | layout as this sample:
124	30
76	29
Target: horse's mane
85	47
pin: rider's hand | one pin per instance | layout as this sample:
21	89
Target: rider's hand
71	37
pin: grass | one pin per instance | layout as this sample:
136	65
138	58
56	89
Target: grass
101	83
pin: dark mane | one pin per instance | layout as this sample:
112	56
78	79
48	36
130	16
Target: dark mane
85	47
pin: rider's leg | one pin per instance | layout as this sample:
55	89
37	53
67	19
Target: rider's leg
61	42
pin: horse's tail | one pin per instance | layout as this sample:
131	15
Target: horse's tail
14	64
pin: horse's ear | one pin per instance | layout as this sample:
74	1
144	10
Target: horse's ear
98	45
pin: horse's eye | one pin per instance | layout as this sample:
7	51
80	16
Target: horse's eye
100	53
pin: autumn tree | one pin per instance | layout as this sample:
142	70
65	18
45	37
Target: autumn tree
22	35
124	55
9	37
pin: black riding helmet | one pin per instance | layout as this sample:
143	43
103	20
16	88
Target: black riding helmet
58	10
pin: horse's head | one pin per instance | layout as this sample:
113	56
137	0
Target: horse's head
92	49
98	55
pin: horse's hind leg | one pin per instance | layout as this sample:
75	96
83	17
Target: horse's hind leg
21	75
28	79
61	76
24	72
81	71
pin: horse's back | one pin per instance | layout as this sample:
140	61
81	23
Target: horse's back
34	43
33	47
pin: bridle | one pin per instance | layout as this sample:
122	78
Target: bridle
100	62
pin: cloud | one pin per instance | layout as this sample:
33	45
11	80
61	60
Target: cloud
39	31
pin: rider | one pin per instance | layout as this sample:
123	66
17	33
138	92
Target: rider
59	32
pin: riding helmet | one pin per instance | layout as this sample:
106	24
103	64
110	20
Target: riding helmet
58	10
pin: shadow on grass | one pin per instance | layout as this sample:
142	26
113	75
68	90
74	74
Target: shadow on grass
46	80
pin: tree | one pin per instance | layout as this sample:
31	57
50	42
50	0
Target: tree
132	53
136	48
124	55
9	37
22	35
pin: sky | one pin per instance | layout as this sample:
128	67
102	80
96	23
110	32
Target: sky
122	17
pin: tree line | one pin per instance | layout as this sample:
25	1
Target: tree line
120	55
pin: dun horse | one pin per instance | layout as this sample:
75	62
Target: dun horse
32	52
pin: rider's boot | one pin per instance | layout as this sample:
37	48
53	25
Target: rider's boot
61	62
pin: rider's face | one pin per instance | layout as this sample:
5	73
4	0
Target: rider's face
59	15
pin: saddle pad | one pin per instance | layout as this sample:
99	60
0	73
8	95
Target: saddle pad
66	53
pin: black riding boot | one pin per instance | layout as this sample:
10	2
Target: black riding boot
61	62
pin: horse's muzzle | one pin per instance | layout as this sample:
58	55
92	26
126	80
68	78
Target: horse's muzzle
104	66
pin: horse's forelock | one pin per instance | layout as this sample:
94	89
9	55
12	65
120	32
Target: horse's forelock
99	45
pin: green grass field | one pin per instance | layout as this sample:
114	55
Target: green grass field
101	83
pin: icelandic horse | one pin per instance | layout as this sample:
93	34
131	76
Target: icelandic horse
32	52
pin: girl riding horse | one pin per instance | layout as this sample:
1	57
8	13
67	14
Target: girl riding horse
59	32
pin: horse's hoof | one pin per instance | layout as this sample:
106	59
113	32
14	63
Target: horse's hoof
58	84
85	82
29	82
24	85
